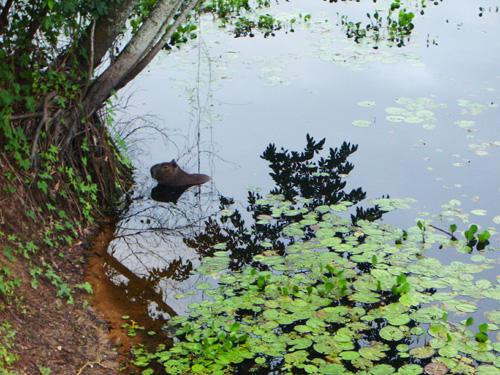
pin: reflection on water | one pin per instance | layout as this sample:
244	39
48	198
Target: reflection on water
319	182
148	260
165	193
426	128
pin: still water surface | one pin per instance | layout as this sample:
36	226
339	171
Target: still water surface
221	100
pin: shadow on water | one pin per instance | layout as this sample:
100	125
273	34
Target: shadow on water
165	193
155	247
320	182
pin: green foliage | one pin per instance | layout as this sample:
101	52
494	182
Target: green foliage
423	228
246	18
481	241
15	140
8	283
131	327
402	286
394	24
328	306
63	289
85	286
7	358
44	370
482	334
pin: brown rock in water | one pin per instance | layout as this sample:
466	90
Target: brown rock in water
170	174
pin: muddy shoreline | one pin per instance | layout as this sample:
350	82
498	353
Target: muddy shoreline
115	303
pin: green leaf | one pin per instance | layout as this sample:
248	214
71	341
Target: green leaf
391	333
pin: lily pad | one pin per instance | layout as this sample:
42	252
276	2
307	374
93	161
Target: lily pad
391	333
362	123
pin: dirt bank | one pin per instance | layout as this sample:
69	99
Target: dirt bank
50	333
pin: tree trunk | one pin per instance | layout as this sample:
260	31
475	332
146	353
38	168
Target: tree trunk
158	47
4	16
107	29
102	88
138	48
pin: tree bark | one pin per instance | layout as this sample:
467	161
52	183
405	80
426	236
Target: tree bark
107	29
4	16
158	47
107	82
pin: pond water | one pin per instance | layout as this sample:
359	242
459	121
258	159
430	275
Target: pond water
425	117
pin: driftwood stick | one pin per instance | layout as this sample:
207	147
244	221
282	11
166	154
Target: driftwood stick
443	231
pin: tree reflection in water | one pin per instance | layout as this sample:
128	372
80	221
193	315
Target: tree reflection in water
156	246
321	181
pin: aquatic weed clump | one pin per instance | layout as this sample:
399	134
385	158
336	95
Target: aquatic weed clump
368	302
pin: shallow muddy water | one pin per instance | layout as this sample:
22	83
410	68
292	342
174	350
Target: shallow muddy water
425	116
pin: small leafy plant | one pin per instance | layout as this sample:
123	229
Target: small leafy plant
482	239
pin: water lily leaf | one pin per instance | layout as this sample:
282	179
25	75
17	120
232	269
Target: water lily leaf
411	299
382	369
271	314
203	286
391	333
366	103
479	212
395	118
365	296
402	347
362	123
349	355
466	307
302	328
260	360
487	370
465	124
362	363
398	320
300	343
396	111
436	368
410	369
334	369
493	316
220	246
374	352
326	345
310	369
422	352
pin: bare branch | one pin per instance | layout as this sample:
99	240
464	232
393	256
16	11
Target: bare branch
26	115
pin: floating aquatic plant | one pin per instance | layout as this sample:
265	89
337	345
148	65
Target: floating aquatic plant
414	111
356	305
316	291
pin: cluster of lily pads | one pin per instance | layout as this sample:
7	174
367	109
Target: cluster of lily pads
415	111
346	298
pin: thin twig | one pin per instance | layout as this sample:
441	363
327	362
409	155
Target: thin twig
443	231
26	115
91	363
40	124
91	65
